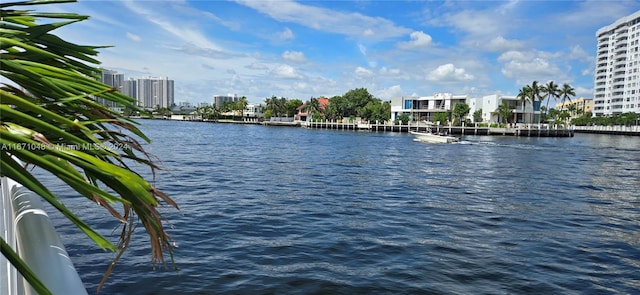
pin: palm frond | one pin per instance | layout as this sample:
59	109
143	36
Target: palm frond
50	106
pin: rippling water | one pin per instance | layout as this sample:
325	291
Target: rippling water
277	210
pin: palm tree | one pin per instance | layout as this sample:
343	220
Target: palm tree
536	94
566	93
523	95
269	101
48	99
572	110
281	107
313	106
550	91
241	105
504	112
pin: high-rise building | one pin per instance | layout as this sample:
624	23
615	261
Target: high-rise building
154	92
218	100
617	75
113	79
150	92
130	88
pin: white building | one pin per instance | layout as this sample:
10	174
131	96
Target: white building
522	112
154	92
130	88
113	79
425	107
617	75
253	111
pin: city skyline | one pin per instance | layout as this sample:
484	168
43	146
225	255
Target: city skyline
310	49
150	92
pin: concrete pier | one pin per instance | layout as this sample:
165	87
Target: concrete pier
456	130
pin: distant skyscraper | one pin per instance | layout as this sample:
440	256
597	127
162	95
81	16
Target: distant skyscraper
617	77
153	92
115	80
218	100
130	88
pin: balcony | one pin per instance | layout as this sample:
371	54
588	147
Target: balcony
622	38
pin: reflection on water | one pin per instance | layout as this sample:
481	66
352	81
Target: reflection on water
292	210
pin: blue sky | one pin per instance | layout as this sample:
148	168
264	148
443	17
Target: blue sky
304	49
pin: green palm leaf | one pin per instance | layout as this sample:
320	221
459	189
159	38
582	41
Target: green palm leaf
50	103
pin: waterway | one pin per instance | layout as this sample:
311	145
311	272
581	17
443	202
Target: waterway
281	210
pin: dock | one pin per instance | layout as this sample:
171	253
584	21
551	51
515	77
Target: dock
613	130
456	130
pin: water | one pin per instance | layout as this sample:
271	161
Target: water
278	210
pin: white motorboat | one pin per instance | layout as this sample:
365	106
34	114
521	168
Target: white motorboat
434	137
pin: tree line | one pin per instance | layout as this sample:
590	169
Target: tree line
354	103
538	93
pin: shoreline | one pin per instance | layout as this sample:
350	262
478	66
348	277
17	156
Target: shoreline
457	130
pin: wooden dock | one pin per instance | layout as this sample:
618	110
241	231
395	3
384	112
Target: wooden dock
456	130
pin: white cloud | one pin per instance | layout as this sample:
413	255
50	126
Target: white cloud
182	31
597	12
500	44
513	55
391	92
449	73
578	53
327	20
360	71
193	49
418	39
476	22
526	71
362	49
287	34
584	92
527	66
133	37
257	66
386	71
294	56
286	71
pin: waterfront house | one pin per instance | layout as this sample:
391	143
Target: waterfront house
424	108
253	112
490	104
184	112
303	113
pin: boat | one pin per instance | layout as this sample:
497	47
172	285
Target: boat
434	137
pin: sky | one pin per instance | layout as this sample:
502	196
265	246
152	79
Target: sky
304	49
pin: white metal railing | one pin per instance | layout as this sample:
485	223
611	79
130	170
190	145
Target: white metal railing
615	128
26	227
